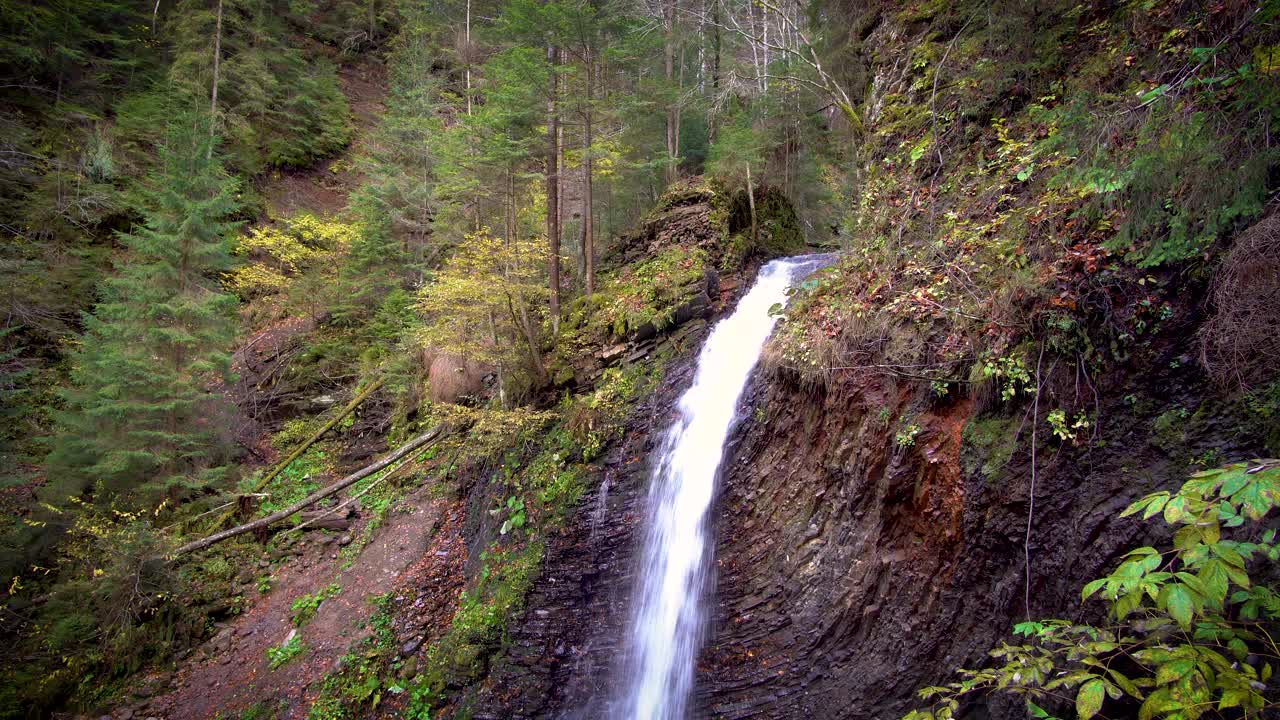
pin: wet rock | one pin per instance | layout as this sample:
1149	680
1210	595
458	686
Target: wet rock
220	642
411	647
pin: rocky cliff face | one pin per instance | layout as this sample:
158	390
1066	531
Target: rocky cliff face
856	567
560	661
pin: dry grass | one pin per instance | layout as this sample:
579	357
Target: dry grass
1240	344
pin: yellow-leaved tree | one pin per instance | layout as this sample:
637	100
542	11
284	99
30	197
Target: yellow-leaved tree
291	262
485	303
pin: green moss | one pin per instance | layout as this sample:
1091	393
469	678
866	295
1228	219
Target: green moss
1169	430
988	444
643	294
779	228
479	626
1262	413
685	192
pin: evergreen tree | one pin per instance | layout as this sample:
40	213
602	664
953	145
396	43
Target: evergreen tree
13	378
141	421
275	107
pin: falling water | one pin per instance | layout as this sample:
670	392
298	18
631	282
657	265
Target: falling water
668	597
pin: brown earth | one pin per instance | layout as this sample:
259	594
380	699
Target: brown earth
324	188
418	552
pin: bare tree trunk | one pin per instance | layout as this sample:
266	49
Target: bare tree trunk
213	96
467	42
553	194
764	46
588	222
509	207
315	497
560	177
715	44
755	47
520	315
669	63
502	375
679	106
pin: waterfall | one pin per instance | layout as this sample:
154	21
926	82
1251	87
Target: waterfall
668	598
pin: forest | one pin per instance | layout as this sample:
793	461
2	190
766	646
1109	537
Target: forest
650	359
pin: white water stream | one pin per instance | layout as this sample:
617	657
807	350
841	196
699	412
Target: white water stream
667	626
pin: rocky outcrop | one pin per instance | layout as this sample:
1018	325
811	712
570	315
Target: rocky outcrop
858	564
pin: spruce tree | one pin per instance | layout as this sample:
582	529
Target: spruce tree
141	416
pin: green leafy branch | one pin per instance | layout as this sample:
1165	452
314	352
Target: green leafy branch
1192	634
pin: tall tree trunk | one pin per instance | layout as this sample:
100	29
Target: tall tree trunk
755	47
669	66
751	202
764	45
553	194
502	375
520	315
466	41
509	208
679	107
217	65
715	45
517	307
588	212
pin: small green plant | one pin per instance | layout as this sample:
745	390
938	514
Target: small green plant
1009	373
1065	429
304	608
278	655
264	584
418	704
906	437
515	517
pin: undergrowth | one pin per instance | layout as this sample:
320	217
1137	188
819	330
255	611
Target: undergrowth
1062	196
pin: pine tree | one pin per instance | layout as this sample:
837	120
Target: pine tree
275	107
141	419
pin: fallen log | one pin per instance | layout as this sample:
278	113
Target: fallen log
297	452
315	497
324	521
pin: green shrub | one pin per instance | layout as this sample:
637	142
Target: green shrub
279	655
1189	629
304	608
